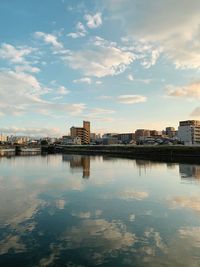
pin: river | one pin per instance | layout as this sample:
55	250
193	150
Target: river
75	211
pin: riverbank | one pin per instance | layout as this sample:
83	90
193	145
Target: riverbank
9	151
163	153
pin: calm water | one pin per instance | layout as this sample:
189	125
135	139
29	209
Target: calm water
76	210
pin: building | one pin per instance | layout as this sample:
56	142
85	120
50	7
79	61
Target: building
110	141
3	138
82	132
68	140
189	132
170	132
141	133
109	135
126	138
155	133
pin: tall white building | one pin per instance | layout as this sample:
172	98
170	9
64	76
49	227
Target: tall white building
189	132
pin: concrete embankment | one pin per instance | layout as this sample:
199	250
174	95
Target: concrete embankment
8	151
170	153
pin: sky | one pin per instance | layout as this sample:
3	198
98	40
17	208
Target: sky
121	64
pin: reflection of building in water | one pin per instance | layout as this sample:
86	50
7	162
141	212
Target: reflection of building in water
79	162
145	165
189	171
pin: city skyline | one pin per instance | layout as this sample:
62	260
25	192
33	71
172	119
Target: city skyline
120	64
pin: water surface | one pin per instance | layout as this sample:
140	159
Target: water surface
73	210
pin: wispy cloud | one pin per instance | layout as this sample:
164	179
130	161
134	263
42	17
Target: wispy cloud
99	60
49	39
83	80
93	21
15	54
80	31
26	96
31	131
131	99
177	37
191	90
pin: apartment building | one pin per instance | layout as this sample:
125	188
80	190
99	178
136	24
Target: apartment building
189	132
82	132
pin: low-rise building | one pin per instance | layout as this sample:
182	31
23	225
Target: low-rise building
141	133
126	138
170	132
68	140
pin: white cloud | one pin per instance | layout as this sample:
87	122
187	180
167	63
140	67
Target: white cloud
104	97
62	90
131	99
172	25
98	82
100	61
80	31
101	111
191	90
93	21
14	54
49	39
83	80
27	68
132	218
26	96
99	114
31	131
130	77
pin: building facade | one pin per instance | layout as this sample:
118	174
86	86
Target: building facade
141	133
189	132
126	137
170	132
82	132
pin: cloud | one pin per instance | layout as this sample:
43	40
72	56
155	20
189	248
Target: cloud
187	202
131	194
83	80
99	114
80	31
93	21
49	39
191	90
195	112
97	111
130	77
100	60
132	218
90	233
31	131
131	99
98	82
27	68
82	215
62	90
11	242
14	54
173	26
104	97
26	96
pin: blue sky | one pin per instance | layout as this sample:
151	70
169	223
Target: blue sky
122	64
